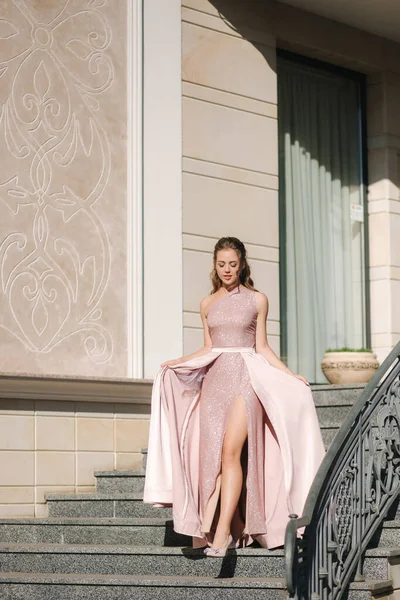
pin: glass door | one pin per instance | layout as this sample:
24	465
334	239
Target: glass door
322	214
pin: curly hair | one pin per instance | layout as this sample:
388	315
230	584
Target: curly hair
244	276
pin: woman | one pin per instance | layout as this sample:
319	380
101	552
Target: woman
232	408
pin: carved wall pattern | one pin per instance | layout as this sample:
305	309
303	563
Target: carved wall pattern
62	194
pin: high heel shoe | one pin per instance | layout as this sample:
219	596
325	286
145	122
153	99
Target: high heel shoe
221	552
242	541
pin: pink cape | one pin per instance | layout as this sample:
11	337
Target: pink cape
293	449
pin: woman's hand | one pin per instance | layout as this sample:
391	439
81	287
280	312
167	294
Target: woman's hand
303	379
171	363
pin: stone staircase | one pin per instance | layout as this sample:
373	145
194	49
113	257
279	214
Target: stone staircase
111	546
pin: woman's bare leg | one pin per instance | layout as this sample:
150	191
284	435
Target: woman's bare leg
231	470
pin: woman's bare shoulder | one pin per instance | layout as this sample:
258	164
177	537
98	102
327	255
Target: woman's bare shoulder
261	301
204	303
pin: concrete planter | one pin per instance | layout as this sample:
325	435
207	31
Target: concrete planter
349	367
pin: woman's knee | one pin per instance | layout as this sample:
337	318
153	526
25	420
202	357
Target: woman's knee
231	455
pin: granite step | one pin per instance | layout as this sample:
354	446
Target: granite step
328	433
147	560
388	535
376	562
335	395
69	530
139	560
333	405
369	590
332	415
144	458
394	513
119	481
39	586
131	531
103	505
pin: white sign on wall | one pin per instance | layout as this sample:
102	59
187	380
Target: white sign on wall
357	212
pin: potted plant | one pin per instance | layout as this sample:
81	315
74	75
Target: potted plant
349	365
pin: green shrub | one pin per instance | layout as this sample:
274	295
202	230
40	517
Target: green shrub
346	349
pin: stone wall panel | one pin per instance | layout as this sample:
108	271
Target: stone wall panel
63	187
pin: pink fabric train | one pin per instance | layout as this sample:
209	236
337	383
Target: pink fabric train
190	409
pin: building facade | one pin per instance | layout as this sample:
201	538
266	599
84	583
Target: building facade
133	136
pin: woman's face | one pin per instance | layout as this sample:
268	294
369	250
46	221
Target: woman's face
227	265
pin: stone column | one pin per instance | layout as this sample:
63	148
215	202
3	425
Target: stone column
383	120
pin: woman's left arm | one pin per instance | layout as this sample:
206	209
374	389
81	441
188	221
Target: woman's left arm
262	346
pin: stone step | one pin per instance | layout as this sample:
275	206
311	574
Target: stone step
336	395
103	505
141	531
394	512
370	590
119	481
139	560
333	402
37	586
328	434
332	415
376	562
130	531
147	560
388	535
144	458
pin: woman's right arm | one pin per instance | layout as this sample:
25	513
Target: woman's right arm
207	339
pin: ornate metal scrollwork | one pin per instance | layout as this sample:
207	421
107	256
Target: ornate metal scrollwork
343	511
356	485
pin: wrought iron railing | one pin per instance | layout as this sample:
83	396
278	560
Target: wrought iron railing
356	485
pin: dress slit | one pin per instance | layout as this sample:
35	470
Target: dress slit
211	504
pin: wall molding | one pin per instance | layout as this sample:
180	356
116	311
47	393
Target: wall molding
162	183
135	189
75	389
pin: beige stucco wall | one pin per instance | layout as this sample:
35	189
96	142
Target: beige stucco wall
54	446
230	147
230	158
63	130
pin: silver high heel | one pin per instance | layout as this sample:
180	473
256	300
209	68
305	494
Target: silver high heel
221	552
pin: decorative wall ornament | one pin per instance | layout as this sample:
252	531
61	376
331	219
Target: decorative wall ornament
55	166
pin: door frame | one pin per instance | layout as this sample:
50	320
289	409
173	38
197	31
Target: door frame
361	80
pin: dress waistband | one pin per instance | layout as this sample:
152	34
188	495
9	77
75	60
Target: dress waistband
228	349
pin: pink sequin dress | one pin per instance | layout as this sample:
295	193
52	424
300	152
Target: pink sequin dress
232	324
191	406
